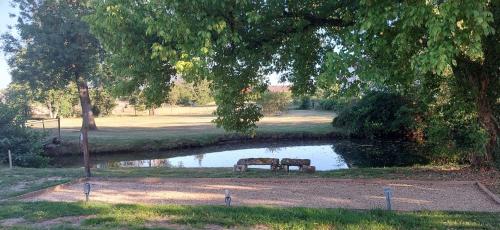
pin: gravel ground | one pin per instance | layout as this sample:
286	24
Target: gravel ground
325	193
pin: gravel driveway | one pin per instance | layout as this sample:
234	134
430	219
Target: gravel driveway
325	193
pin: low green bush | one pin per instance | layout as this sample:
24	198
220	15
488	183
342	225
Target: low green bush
377	114
272	103
303	102
102	102
25	143
327	104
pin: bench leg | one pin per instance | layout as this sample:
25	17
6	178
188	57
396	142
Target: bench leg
273	168
240	168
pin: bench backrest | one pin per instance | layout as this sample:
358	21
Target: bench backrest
259	161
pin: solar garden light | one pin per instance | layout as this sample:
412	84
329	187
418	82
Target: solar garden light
388	196
228	198
86	190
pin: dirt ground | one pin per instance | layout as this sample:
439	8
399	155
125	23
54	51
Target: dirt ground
325	193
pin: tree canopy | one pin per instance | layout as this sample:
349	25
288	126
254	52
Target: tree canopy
445	52
54	48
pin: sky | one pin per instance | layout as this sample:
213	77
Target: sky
5	20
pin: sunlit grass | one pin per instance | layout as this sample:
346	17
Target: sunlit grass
136	216
190	126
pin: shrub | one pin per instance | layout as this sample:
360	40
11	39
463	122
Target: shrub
304	102
25	144
327	104
102	102
378	114
184	93
272	103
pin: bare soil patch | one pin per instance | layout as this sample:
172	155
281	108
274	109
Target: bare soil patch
307	192
74	221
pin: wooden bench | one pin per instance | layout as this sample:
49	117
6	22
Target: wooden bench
287	162
242	164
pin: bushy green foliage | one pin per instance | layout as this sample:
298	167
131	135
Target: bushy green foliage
378	114
60	102
274	102
25	144
53	47
102	102
303	102
336	103
327	104
19	97
137	101
184	93
453	130
345	46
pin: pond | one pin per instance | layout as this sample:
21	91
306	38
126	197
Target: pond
325	155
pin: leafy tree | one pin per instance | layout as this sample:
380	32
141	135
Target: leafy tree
54	49
420	48
185	93
445	52
104	102
137	102
130	51
19	97
273	102
59	102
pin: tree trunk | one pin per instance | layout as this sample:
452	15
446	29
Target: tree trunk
487	119
87	113
49	107
87	123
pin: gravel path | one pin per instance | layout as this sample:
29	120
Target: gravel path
327	193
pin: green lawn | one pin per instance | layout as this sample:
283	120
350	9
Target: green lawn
18	181
120	216
187	127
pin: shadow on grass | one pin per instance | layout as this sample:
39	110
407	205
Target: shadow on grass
136	216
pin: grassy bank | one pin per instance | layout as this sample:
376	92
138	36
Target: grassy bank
22	180
107	216
188	127
19	181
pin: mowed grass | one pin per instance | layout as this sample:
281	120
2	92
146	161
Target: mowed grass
19	181
184	127
34	215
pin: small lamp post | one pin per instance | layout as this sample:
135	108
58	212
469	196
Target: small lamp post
388	196
228	198
86	190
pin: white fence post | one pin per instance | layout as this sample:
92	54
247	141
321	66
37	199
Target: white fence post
10	159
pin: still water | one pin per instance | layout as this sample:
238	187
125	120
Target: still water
325	155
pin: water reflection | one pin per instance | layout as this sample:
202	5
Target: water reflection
323	155
199	157
380	153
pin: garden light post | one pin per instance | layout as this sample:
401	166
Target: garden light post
86	190
388	196
228	198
